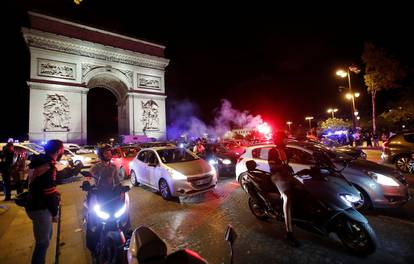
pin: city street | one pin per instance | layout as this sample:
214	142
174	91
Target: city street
199	223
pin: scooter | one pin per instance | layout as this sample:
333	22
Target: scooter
146	247
107	222
322	202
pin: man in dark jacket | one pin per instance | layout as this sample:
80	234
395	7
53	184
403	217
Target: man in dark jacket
6	167
43	202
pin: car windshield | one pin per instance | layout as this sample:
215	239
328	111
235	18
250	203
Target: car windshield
36	147
175	155
332	154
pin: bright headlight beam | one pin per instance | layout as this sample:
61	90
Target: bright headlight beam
120	211
383	180
100	213
226	162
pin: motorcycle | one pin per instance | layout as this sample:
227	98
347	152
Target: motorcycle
107	222
146	247
322	202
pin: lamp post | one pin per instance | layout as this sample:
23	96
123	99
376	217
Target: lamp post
351	95
289	123
332	111
309	118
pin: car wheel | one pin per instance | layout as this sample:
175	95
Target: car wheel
78	163
133	179
242	180
122	173
165	190
404	163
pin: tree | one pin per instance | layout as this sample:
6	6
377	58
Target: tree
382	71
400	116
334	124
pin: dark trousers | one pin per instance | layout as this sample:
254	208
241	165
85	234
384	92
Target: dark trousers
42	230
6	185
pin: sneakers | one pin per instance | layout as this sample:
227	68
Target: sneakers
291	240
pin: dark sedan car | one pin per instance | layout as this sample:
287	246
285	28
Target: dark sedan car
224	158
399	150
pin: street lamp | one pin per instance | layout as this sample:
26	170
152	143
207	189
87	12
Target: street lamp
309	118
351	95
332	111
289	123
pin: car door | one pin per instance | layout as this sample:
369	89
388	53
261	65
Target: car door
141	167
299	159
261	156
153	169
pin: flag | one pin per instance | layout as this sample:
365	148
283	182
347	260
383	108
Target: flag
354	69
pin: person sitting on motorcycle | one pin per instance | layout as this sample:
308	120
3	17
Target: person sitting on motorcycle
105	173
282	174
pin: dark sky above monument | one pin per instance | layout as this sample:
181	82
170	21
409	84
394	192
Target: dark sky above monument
277	61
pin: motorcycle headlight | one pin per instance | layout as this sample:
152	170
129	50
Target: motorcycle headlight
120	211
103	215
382	179
226	162
178	175
350	199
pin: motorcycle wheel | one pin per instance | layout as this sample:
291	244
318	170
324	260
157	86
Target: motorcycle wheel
257	210
357	237
110	253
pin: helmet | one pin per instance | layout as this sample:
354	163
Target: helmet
102	150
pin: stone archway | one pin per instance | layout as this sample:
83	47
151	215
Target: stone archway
68	59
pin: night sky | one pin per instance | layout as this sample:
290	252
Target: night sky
277	61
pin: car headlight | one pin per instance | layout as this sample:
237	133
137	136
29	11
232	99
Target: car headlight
212	162
213	170
349	199
101	214
88	159
178	175
226	162
120	211
382	179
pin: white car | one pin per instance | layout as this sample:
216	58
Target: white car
86	160
260	154
172	171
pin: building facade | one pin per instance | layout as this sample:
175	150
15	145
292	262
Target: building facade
69	59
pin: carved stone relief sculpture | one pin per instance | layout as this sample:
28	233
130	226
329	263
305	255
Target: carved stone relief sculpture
150	115
56	69
56	111
149	82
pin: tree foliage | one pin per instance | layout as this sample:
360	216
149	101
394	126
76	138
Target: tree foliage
382	71
335	124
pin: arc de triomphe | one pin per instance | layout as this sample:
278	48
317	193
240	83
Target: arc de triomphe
68	59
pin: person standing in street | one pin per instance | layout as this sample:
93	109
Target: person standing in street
6	169
282	176
43	198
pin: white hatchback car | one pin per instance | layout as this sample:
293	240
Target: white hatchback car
172	171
